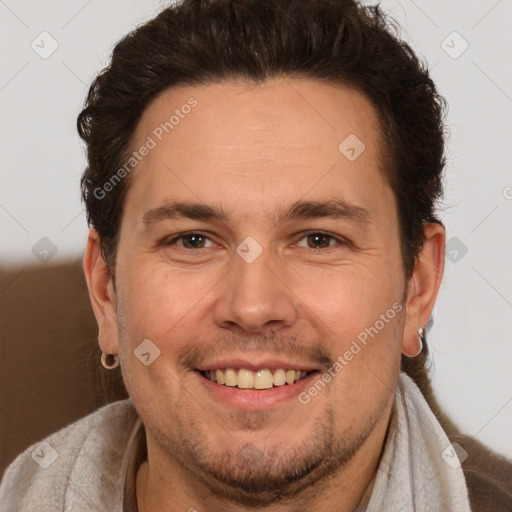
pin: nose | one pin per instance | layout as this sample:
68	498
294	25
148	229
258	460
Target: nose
255	297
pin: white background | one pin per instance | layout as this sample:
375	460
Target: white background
42	160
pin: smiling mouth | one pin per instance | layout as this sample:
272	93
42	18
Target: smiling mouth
243	378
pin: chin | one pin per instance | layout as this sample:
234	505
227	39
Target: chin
265	467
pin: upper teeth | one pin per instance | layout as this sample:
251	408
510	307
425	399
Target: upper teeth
261	379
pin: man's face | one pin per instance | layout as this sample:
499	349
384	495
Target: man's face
258	290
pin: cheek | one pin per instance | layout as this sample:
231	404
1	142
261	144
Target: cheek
157	302
159	308
366	351
351	298
364	316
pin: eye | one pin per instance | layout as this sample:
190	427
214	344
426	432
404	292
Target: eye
191	240
313	239
321	239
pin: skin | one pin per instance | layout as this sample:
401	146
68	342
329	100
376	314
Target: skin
255	150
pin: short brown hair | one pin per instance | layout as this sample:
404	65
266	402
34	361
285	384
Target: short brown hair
337	41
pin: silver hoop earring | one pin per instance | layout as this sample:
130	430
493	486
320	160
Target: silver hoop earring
420	342
109	361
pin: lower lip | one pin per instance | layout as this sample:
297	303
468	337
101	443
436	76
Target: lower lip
255	398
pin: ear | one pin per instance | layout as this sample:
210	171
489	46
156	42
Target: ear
102	294
424	286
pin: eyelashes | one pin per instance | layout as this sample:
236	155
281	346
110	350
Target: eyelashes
201	237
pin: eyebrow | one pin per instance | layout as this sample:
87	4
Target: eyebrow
335	209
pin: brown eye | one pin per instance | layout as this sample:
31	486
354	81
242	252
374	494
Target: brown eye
318	240
193	241
190	241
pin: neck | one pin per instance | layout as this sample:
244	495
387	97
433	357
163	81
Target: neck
163	484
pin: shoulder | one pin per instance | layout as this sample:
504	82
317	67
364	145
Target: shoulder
76	468
488	477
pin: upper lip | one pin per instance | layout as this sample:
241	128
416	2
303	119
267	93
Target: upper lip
256	364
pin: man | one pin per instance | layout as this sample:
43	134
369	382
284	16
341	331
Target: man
263	260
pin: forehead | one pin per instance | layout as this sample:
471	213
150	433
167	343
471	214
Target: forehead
280	139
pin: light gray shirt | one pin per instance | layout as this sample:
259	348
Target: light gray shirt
91	464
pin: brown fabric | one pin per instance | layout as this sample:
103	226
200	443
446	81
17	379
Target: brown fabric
51	373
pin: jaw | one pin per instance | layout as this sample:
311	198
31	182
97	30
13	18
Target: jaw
263	458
